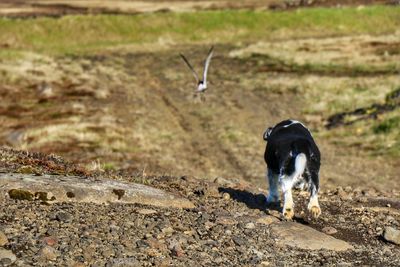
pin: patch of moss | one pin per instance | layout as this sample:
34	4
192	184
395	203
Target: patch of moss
387	126
70	195
43	196
20	194
28	170
119	192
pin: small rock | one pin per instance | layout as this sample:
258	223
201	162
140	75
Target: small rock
108	253
226	196
329	230
379	231
48	253
3	239
50	241
225	220
167	231
64	217
123	262
392	235
177	251
362	199
267	220
250	225
209	225
146	211
156	244
239	241
7	255
348	189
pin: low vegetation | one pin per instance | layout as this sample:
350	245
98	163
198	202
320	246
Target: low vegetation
82	34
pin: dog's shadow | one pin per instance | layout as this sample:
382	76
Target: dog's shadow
252	201
256	201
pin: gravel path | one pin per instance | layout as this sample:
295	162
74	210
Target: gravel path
230	225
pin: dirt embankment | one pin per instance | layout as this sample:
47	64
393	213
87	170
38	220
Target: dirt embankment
136	111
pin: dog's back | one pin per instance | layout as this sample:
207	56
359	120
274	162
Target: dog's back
286	140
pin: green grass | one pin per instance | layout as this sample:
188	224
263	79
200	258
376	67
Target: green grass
387	126
277	64
82	34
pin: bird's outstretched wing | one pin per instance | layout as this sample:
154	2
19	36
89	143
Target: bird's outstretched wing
196	76
207	64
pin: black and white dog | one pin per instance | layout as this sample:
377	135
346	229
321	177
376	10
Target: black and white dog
293	160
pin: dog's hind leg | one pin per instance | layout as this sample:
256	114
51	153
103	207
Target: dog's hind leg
273	196
313	204
287	182
288	206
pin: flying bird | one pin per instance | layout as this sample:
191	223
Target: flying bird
201	83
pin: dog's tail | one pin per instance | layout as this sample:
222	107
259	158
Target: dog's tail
300	163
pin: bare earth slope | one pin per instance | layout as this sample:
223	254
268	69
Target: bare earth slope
136	111
230	225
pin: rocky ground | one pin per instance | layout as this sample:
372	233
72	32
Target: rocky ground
230	224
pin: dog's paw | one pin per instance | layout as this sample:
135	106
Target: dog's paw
315	211
288	213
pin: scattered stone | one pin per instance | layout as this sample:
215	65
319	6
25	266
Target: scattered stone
3	239
48	253
50	241
64	217
267	220
329	230
123	262
107	253
177	251
250	225
167	231
146	211
392	235
304	237
7	256
225	220
239	240
226	196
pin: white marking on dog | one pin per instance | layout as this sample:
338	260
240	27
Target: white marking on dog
313	204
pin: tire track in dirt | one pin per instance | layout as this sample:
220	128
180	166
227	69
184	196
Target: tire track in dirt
208	137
